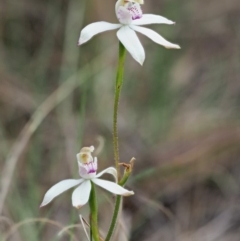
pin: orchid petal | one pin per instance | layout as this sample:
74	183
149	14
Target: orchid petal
112	187
123	15
81	194
110	170
155	37
95	28
95	163
88	171
131	42
58	189
83	172
152	19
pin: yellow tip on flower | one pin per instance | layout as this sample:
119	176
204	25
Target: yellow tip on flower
84	157
133	1
87	149
139	1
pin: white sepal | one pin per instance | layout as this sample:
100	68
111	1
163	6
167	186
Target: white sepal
58	189
112	187
81	194
131	42
154	36
152	19
110	170
95	28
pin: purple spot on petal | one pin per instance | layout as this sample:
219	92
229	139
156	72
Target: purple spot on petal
136	11
136	17
91	167
91	171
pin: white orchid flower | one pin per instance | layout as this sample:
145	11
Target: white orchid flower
88	171
130	16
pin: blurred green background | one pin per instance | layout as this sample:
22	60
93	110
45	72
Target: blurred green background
179	117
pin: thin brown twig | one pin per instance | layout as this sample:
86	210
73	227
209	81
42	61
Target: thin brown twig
15	227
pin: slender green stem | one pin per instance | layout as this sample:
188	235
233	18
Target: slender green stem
114	218
116	210
118	87
94	214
